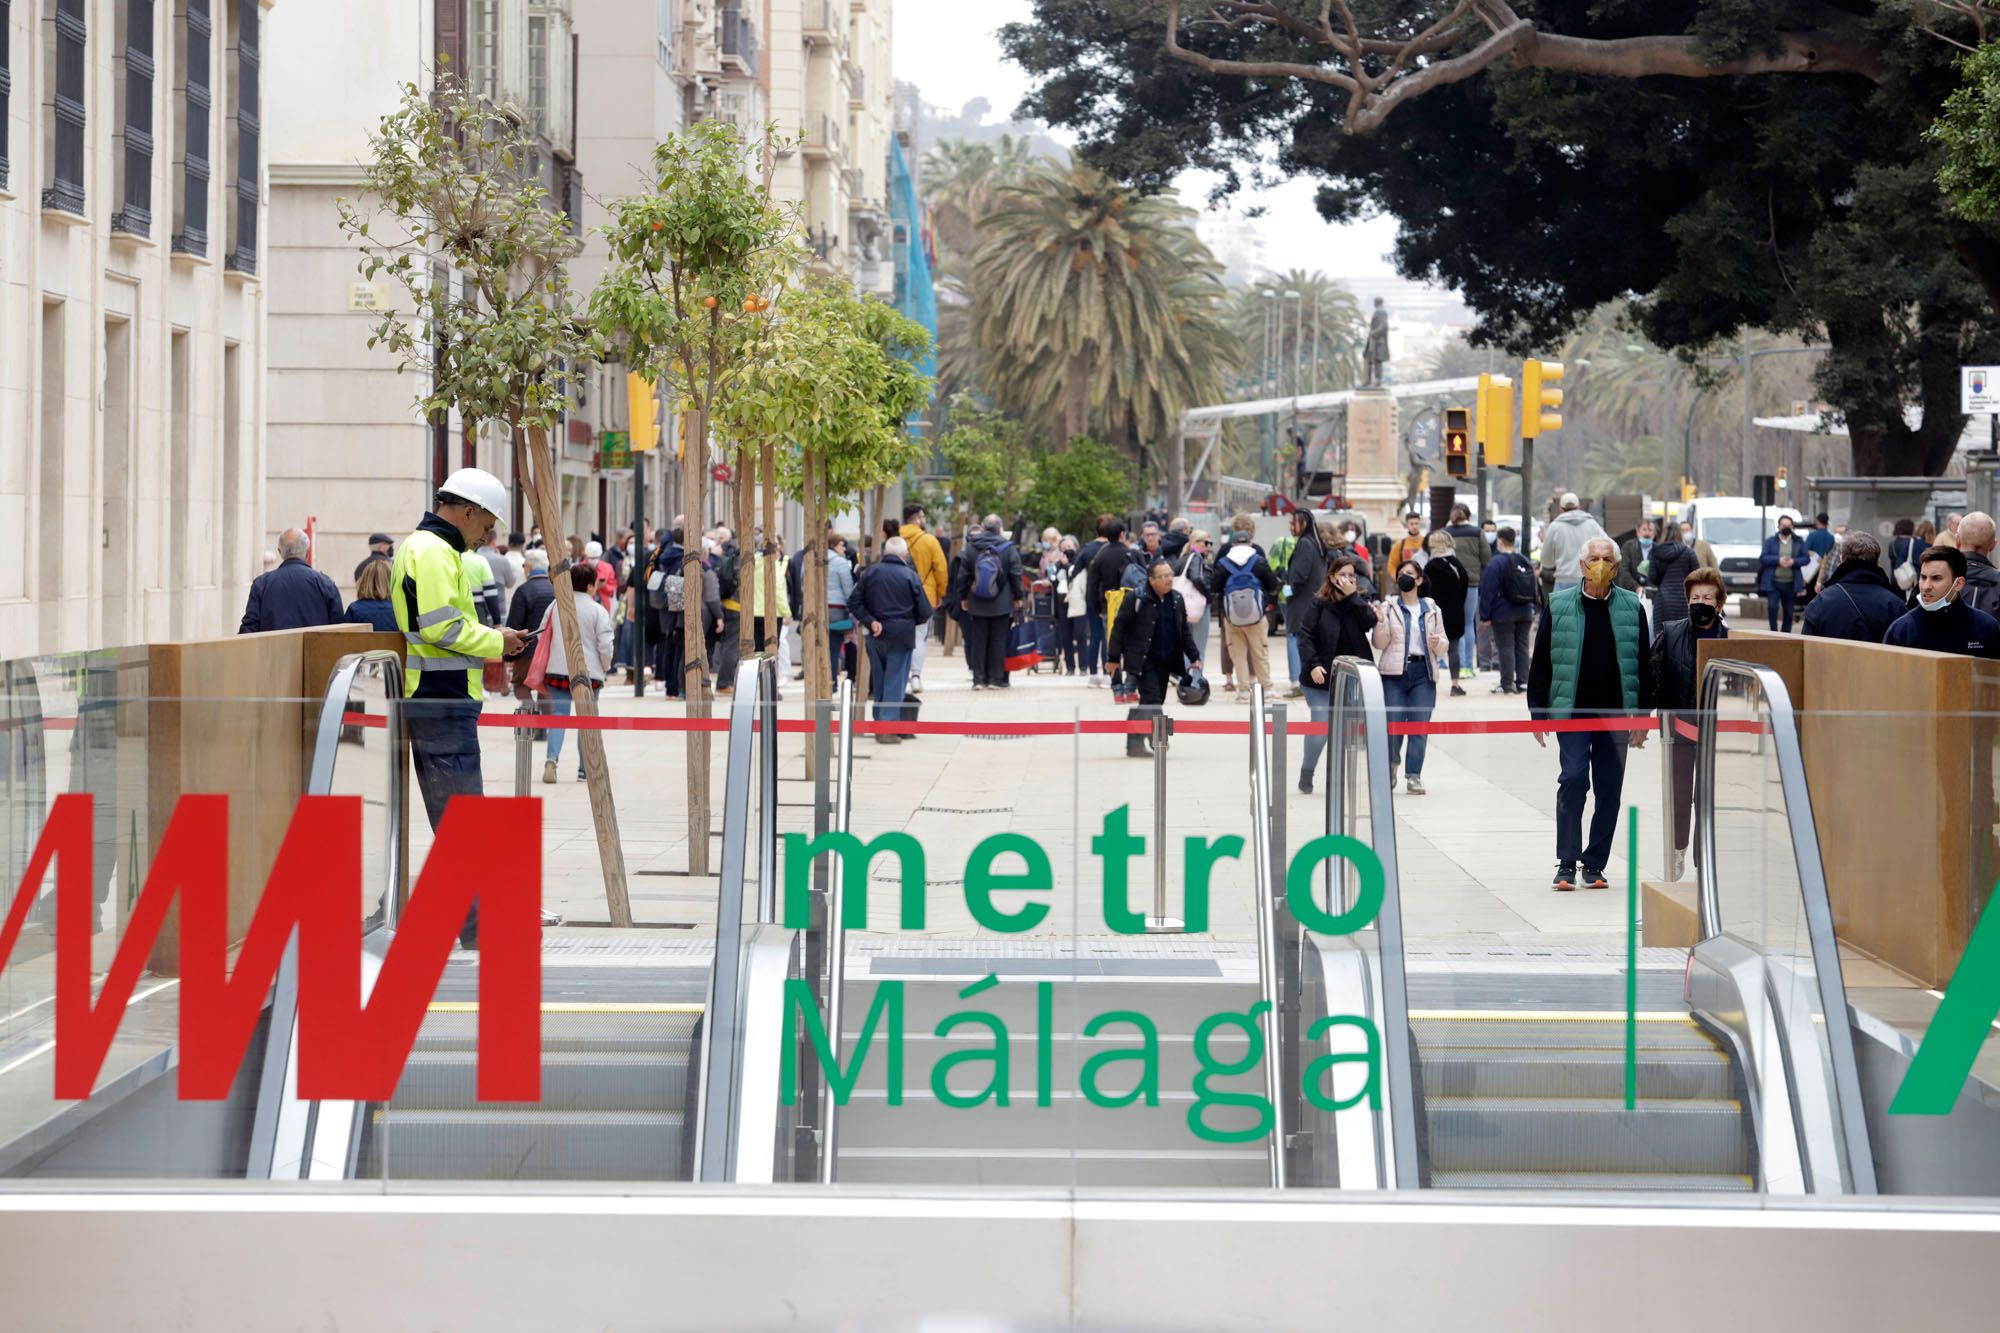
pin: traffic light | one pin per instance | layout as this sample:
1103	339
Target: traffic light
1457	442
1687	489
1783	483
1493	419
1538	402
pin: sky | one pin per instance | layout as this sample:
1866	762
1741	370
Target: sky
948	49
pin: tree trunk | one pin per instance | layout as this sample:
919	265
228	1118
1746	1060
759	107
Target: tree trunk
812	616
694	634
770	573
746	552
869	542
604	814
1076	398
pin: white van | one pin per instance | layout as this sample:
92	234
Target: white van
1736	528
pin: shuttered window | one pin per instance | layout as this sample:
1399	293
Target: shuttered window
68	53
6	81
194	44
247	142
135	121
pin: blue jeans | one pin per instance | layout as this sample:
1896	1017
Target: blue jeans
1468	642
1410	698
889	679
1093	656
1593	765
444	746
1292	658
621	653
559	706
1783	595
1320	701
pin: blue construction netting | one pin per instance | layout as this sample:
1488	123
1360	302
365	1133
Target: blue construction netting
916	296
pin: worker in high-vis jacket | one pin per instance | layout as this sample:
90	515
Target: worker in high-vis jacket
447	645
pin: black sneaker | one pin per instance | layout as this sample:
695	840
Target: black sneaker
1594	879
1306	783
1565	881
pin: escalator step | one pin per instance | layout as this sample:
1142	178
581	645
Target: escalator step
665	1028
523	1145
1473	1071
1559	1035
617	1080
1567	1134
1219	1167
1588	1180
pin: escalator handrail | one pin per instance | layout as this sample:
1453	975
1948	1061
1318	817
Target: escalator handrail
1399	1071
717	1106
1265	879
836	930
279	1115
1816	901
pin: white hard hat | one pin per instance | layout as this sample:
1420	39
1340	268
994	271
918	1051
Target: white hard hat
480	487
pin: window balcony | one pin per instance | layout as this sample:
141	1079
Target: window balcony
822	28
736	41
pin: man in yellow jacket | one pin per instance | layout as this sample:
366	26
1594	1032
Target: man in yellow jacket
447	647
927	558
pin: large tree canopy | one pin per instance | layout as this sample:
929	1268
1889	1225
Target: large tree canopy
1725	163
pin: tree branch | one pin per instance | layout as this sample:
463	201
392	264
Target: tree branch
1834	47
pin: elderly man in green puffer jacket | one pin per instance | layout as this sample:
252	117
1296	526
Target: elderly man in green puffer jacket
1591	661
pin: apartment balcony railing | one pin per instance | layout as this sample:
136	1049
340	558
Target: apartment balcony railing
822	28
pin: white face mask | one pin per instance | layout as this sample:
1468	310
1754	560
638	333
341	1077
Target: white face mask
1939	605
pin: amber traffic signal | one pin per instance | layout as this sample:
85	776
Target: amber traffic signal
1493	419
1539	401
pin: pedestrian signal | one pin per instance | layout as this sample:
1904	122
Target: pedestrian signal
1457	442
1538	402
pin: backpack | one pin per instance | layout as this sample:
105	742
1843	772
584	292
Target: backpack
1133	577
987	570
673	592
1520	585
1242	594
727	569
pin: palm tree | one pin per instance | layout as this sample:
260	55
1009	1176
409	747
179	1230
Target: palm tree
1095	308
959	180
1299	332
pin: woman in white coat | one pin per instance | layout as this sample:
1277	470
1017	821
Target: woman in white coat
1411	646
593	624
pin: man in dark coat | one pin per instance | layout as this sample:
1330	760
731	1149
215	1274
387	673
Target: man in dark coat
1856	601
1976	537
292	596
988	602
1942	621
1304	573
1153	642
889	603
1508	605
1780	571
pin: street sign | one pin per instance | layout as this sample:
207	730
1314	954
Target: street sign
1979	388
614	449
720	472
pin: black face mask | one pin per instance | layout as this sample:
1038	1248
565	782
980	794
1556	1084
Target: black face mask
1784	532
1702	614
1407	582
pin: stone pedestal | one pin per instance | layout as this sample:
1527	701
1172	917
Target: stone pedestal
1375	483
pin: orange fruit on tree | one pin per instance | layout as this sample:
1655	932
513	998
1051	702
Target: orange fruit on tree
708	302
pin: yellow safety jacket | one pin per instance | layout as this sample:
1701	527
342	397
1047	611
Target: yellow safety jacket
432	594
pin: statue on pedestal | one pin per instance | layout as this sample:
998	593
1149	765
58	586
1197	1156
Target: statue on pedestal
1375	354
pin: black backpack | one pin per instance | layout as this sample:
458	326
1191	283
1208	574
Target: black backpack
1520	585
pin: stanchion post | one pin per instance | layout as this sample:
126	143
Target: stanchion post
1159	922
1278	771
524	753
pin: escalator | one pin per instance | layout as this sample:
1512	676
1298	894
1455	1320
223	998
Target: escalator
624	1033
1522	1065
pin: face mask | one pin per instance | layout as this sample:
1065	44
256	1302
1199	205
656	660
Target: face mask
1786	533
1702	614
1939	605
1599	573
1407	582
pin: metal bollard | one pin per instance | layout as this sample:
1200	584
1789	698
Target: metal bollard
1159	923
524	751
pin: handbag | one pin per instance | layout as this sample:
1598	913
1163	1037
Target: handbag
538	665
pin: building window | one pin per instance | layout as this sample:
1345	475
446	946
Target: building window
538	75
666	25
194	34
6	81
67	48
134	164
246	137
484	61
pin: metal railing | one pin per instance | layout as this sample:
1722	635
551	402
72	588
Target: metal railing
291	1139
735	1128
1359	804
842	807
1811	1137
1268	881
